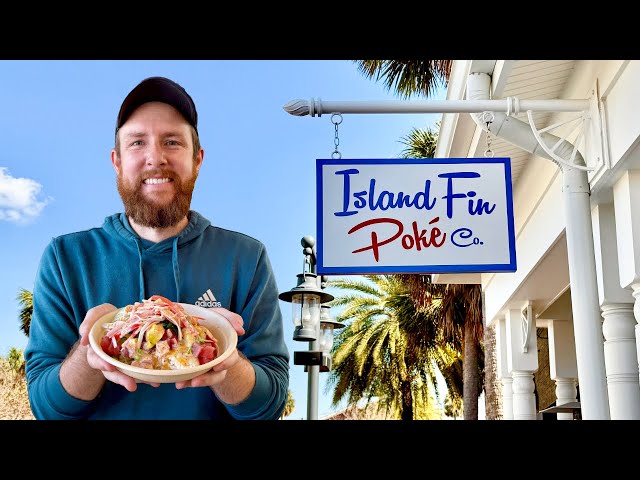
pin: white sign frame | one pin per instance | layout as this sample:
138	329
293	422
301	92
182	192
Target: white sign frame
434	215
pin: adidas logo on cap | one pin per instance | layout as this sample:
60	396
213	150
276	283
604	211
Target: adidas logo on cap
207	300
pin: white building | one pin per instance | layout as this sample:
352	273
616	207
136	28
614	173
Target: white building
577	228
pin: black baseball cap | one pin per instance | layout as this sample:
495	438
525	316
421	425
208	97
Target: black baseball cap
159	89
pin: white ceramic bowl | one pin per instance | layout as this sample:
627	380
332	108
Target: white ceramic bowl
216	323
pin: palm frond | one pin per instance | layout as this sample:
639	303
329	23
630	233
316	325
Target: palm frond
385	351
366	287
25	299
408	77
420	143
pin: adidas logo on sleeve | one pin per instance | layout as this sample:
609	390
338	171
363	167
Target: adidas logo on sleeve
207	300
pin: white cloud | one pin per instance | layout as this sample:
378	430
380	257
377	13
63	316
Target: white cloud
19	201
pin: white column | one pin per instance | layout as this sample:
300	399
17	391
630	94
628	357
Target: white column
524	401
507	398
626	202
587	323
616	304
621	359
502	369
636	314
566	392
562	363
522	361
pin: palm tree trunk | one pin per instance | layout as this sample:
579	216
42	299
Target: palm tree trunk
492	387
407	401
470	389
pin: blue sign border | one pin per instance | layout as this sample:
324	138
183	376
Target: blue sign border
421	269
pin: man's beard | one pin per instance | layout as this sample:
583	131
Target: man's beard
146	212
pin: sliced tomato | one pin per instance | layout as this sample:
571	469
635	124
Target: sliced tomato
107	347
206	354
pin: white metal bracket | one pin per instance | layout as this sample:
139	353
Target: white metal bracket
584	131
526	317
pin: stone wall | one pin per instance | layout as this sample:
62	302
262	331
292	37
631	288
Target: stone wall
545	388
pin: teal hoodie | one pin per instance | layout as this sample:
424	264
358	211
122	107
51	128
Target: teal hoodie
112	264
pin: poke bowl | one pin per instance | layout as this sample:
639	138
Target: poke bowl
160	341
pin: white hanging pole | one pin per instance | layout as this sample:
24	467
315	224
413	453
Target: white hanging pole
316	107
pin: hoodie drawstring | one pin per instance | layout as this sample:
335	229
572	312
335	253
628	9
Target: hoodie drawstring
142	292
176	268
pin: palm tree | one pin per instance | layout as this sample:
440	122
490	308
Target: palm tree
25	299
15	359
289	406
492	386
408	77
388	351
462	312
461	304
463	317
420	143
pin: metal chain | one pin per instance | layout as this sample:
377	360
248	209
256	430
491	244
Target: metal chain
336	119
487	118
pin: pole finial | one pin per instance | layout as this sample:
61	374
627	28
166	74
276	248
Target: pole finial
299	108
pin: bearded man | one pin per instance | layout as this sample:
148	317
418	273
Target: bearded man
157	246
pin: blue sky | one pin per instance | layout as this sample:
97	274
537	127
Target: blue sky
258	176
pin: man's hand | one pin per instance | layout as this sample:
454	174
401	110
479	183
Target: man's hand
214	376
92	317
234	319
235	368
109	371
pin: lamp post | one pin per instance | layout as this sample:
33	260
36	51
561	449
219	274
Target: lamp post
312	322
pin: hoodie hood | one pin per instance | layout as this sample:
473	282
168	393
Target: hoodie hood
118	226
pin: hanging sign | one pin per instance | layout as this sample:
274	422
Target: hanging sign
435	215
